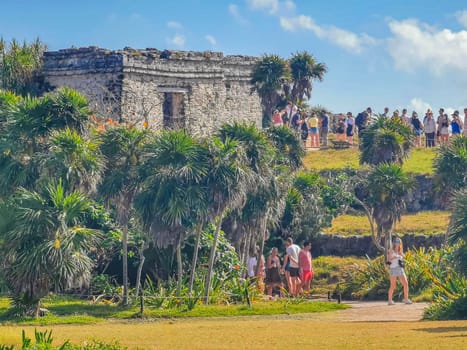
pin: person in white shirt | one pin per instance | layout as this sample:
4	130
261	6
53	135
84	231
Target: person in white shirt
396	271
292	251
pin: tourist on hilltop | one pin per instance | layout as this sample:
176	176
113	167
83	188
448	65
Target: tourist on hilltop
289	111
405	118
395	114
385	113
314	133
429	127
363	119
443	127
305	267
273	275
304	128
277	118
292	252
465	122
456	124
324	129
417	128
350	127
438	125
340	128
396	271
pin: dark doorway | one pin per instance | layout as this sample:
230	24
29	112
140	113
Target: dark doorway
174	110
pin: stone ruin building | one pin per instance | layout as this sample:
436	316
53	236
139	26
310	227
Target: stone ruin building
198	91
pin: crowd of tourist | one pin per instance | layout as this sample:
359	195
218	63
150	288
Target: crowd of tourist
314	128
294	271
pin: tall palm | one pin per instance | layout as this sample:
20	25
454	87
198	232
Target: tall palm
451	164
75	159
124	151
46	246
227	183
173	199
304	70
387	185
270	75
458	227
387	140
289	148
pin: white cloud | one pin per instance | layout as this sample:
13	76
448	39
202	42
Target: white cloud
271	6
211	39
419	105
462	17
289	5
354	43
174	25
415	45
177	40
235	13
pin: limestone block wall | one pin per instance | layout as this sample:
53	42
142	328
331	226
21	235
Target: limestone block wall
207	89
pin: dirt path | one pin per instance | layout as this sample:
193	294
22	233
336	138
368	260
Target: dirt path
378	311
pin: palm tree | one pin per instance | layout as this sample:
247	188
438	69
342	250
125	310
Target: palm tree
289	148
74	159
458	227
173	199
451	164
385	141
304	70
270	75
386	185
123	150
227	183
46	248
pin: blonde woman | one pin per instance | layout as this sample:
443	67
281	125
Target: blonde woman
396	271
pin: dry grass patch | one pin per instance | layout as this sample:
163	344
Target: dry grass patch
262	333
425	222
419	162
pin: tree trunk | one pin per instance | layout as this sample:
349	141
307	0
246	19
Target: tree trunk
376	238
387	243
179	268
261	246
194	260
212	258
142	258
125	264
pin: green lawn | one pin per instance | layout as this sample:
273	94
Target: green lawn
78	311
419	162
425	222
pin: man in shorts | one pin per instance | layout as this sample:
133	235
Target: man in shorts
305	267
292	251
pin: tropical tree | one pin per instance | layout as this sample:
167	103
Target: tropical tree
75	159
46	247
387	140
173	199
451	165
386	186
458	227
124	152
304	70
20	66
270	76
227	184
289	149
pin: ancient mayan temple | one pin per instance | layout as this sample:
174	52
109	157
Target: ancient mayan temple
196	90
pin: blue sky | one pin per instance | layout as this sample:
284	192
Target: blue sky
398	53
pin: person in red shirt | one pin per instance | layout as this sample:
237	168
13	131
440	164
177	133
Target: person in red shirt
305	267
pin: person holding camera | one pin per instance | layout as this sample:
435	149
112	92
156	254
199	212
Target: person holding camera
396	271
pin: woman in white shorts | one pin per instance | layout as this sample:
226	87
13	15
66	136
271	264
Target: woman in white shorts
396	271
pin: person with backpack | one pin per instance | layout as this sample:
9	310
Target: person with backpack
362	120
417	127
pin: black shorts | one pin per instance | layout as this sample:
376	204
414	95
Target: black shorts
293	272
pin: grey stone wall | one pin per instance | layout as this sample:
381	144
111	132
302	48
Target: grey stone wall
132	84
363	245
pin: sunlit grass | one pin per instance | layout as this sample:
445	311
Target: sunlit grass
425	222
419	162
260	333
